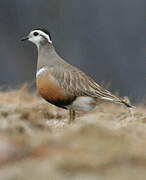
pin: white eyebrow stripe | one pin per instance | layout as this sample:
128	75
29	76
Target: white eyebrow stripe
45	35
40	71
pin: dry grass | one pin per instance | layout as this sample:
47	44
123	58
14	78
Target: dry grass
37	143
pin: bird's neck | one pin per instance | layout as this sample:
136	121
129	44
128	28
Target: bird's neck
47	56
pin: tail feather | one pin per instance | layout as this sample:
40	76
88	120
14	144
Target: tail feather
119	100
127	104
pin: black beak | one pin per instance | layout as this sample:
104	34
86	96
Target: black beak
24	39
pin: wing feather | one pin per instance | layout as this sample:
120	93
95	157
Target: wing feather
77	83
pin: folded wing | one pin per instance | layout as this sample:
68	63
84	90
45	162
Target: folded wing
77	83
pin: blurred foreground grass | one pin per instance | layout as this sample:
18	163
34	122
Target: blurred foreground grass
37	143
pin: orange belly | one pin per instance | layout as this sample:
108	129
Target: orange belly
49	88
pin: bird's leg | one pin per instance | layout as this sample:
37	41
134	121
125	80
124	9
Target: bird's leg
72	115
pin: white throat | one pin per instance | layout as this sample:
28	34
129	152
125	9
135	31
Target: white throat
36	40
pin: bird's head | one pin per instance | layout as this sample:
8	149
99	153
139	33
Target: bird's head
38	36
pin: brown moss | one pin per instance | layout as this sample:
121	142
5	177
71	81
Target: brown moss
108	143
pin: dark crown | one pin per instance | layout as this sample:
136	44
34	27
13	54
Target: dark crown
45	31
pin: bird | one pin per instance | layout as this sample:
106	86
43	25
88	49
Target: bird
64	85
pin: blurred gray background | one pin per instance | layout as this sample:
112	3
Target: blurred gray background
105	38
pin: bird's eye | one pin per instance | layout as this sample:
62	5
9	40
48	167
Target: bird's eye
35	33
